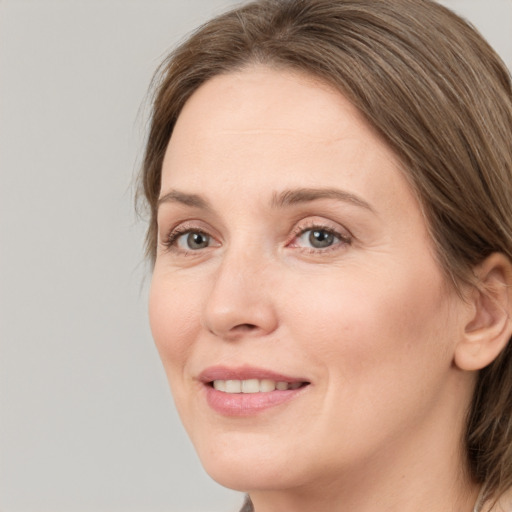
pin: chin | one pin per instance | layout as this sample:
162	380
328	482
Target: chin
249	465
241	477
247	476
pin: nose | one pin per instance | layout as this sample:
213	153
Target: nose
240	302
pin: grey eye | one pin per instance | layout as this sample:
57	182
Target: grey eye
319	238
194	240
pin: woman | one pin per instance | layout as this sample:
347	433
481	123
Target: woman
331	231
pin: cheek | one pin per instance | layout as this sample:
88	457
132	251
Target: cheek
380	350
361	324
173	317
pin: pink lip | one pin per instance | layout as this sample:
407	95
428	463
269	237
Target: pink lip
244	373
246	404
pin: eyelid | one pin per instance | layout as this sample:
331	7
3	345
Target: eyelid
195	225
343	234
189	226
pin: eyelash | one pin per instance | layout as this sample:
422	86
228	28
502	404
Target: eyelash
301	230
170	242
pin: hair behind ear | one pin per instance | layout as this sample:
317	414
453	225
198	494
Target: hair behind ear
489	426
487	348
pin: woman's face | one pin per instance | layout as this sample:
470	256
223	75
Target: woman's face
293	254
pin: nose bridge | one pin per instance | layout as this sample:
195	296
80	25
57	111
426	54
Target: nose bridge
239	301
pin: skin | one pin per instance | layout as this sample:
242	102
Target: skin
369	321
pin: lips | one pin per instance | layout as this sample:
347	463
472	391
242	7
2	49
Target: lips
254	385
247	390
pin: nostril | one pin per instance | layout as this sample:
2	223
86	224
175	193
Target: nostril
245	327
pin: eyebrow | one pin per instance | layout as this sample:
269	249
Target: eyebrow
193	200
279	199
306	195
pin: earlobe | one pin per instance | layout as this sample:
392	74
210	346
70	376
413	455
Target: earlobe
489	326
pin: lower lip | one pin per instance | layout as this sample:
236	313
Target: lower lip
248	404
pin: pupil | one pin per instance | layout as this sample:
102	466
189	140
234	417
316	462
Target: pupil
319	239
197	240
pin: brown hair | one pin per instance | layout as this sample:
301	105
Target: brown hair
440	97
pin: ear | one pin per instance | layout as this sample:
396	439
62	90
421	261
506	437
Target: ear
489	325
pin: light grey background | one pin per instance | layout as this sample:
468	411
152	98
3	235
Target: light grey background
86	419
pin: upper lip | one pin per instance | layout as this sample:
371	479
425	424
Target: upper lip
244	373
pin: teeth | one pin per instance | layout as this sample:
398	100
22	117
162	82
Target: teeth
233	386
250	386
219	385
253	386
267	385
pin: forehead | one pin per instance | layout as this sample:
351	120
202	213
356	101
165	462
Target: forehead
274	129
280	95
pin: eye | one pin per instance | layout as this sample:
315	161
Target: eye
185	239
318	238
193	240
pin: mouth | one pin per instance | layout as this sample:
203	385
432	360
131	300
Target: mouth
235	386
247	391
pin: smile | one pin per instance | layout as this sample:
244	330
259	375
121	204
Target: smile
255	385
246	390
